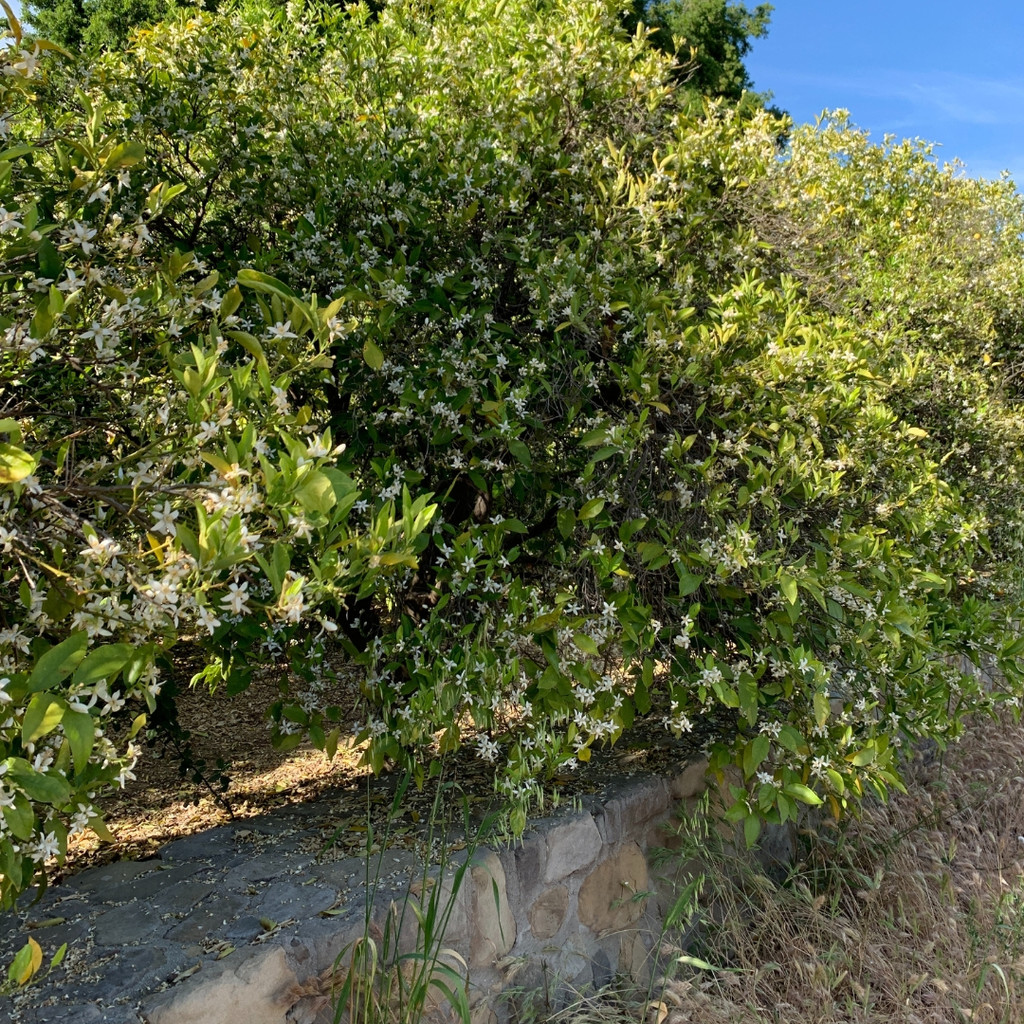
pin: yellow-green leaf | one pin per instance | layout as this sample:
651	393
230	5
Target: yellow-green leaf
586	644
15	463
315	493
542	623
821	709
231	301
42	716
373	355
862	757
803	793
127	154
26	963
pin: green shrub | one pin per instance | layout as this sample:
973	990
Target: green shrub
624	429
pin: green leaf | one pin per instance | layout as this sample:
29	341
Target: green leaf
688	583
642	697
821	709
747	686
44	787
261	282
20	819
791	739
15	151
751	831
58	662
521	452
102	663
1015	648
12	427
788	586
249	342
758	749
50	264
591	509
650	550
127	154
80	731
373	355
566	520
586	644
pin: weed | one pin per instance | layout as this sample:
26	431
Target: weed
399	971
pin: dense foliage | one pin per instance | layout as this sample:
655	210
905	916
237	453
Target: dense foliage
447	354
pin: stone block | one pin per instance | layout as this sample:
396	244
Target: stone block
601	970
494	925
606	899
547	912
256	990
75	1014
776	850
621	816
571	845
482	1014
691	781
634	958
525	867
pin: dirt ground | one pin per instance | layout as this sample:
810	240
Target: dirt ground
160	805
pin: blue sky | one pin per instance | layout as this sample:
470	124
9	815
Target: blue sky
949	73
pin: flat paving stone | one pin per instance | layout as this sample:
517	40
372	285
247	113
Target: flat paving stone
244	929
73	1014
126	925
271	864
155	882
284	900
109	877
208	922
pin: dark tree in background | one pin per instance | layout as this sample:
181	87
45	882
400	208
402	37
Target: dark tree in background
709	38
93	25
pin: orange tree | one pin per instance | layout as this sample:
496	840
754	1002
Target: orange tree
529	404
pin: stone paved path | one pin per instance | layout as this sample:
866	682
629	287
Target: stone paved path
207	902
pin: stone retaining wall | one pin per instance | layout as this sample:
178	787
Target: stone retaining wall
243	924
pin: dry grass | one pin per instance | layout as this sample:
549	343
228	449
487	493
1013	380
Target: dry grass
913	914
